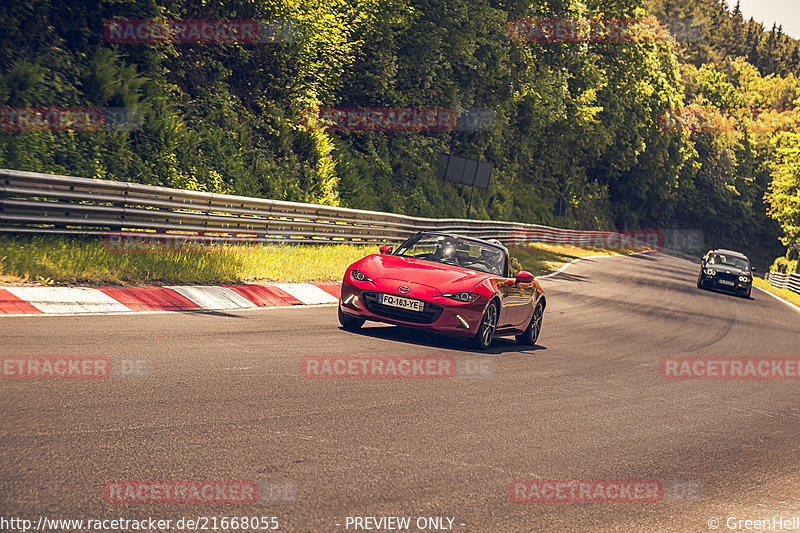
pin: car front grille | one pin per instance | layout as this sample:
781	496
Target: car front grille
429	315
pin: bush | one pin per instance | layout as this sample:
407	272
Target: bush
782	264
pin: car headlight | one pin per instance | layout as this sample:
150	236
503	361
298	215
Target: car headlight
359	276
744	279
462	296
711	272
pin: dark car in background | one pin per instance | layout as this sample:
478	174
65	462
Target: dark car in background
726	270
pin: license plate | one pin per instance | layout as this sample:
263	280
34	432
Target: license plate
725	282
402	303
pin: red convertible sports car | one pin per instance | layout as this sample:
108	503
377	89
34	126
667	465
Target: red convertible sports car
447	283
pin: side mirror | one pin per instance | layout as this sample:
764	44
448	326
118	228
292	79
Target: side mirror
523	276
386	249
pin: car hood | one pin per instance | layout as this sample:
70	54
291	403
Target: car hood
728	269
445	278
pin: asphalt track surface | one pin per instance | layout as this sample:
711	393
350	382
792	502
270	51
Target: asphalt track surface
225	399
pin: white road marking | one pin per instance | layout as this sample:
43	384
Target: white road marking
67	299
249	309
307	293
563	267
213	297
790	304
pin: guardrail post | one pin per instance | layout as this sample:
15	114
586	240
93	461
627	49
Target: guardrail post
66	214
797	266
123	205
3	195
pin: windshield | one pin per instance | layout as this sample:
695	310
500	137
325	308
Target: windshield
728	260
456	251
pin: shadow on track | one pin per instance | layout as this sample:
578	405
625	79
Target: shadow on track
646	256
566	276
500	345
212	312
671	281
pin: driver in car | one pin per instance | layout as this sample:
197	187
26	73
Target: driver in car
492	259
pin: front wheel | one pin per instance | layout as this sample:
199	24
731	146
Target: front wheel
747	294
348	321
485	334
531	334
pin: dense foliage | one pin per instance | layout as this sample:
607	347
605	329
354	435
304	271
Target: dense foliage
576	142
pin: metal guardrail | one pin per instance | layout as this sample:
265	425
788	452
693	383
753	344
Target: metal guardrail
784	280
45	203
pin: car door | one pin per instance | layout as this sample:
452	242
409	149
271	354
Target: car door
516	299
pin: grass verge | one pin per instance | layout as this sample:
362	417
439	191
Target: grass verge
786	294
541	258
57	260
